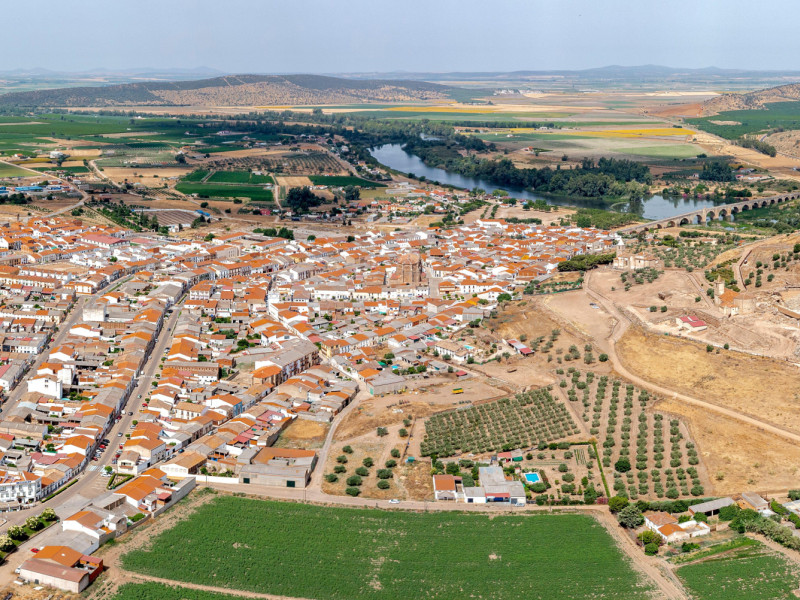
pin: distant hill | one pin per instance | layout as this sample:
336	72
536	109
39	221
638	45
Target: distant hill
752	100
234	90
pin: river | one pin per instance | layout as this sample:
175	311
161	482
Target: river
655	207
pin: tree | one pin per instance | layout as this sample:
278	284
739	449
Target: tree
6	543
504	297
651	549
347	449
650	537
33	523
617	503
354	480
384	473
390	464
341	459
353	491
368	462
623	465
630	517
603	358
382	431
331	478
452	469
383	484
395	453
48	514
403	432
362	471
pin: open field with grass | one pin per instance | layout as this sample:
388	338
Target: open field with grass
350	554
225	191
749	573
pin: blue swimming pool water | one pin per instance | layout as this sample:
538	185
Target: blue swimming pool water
532	478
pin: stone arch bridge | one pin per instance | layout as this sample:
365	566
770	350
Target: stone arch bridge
722	212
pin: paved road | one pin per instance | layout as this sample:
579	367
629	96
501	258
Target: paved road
89	483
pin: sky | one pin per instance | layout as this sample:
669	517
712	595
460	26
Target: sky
362	36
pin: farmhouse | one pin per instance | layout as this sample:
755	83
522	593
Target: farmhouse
63	568
691	323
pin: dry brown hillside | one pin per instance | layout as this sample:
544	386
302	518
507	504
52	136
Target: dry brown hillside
751	100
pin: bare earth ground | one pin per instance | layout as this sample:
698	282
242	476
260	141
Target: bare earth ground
729	379
292	181
302	433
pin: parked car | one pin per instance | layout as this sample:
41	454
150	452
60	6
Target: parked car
130	412
394	501
119	434
34	550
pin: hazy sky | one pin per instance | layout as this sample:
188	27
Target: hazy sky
327	36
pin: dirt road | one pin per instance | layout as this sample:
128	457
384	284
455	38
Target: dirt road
622	322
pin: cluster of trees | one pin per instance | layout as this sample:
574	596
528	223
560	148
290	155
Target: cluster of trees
16	199
584	262
281	232
608	177
301	200
757	145
717	170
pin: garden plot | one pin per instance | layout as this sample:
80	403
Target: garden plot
525	421
661	461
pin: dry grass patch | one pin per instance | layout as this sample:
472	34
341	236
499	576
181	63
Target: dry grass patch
302	433
763	388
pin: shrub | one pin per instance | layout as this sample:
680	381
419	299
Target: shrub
16	532
623	465
33	523
603	358
6	543
617	503
383	484
794	494
651	549
539	487
403	432
395	453
562	468
650	537
339	469
362	471
384	473
331	478
354	480
382	431
391	464
368	462
630	517
48	514
347	450
353	491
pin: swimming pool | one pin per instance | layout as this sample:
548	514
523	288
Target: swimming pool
532	478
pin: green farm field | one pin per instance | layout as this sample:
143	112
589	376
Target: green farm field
225	191
349	554
749	573
665	151
784	115
149	591
343	180
12	171
238	177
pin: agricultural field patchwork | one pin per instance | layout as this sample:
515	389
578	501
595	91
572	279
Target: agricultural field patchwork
749	573
525	421
736	123
363	553
225	191
645	469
